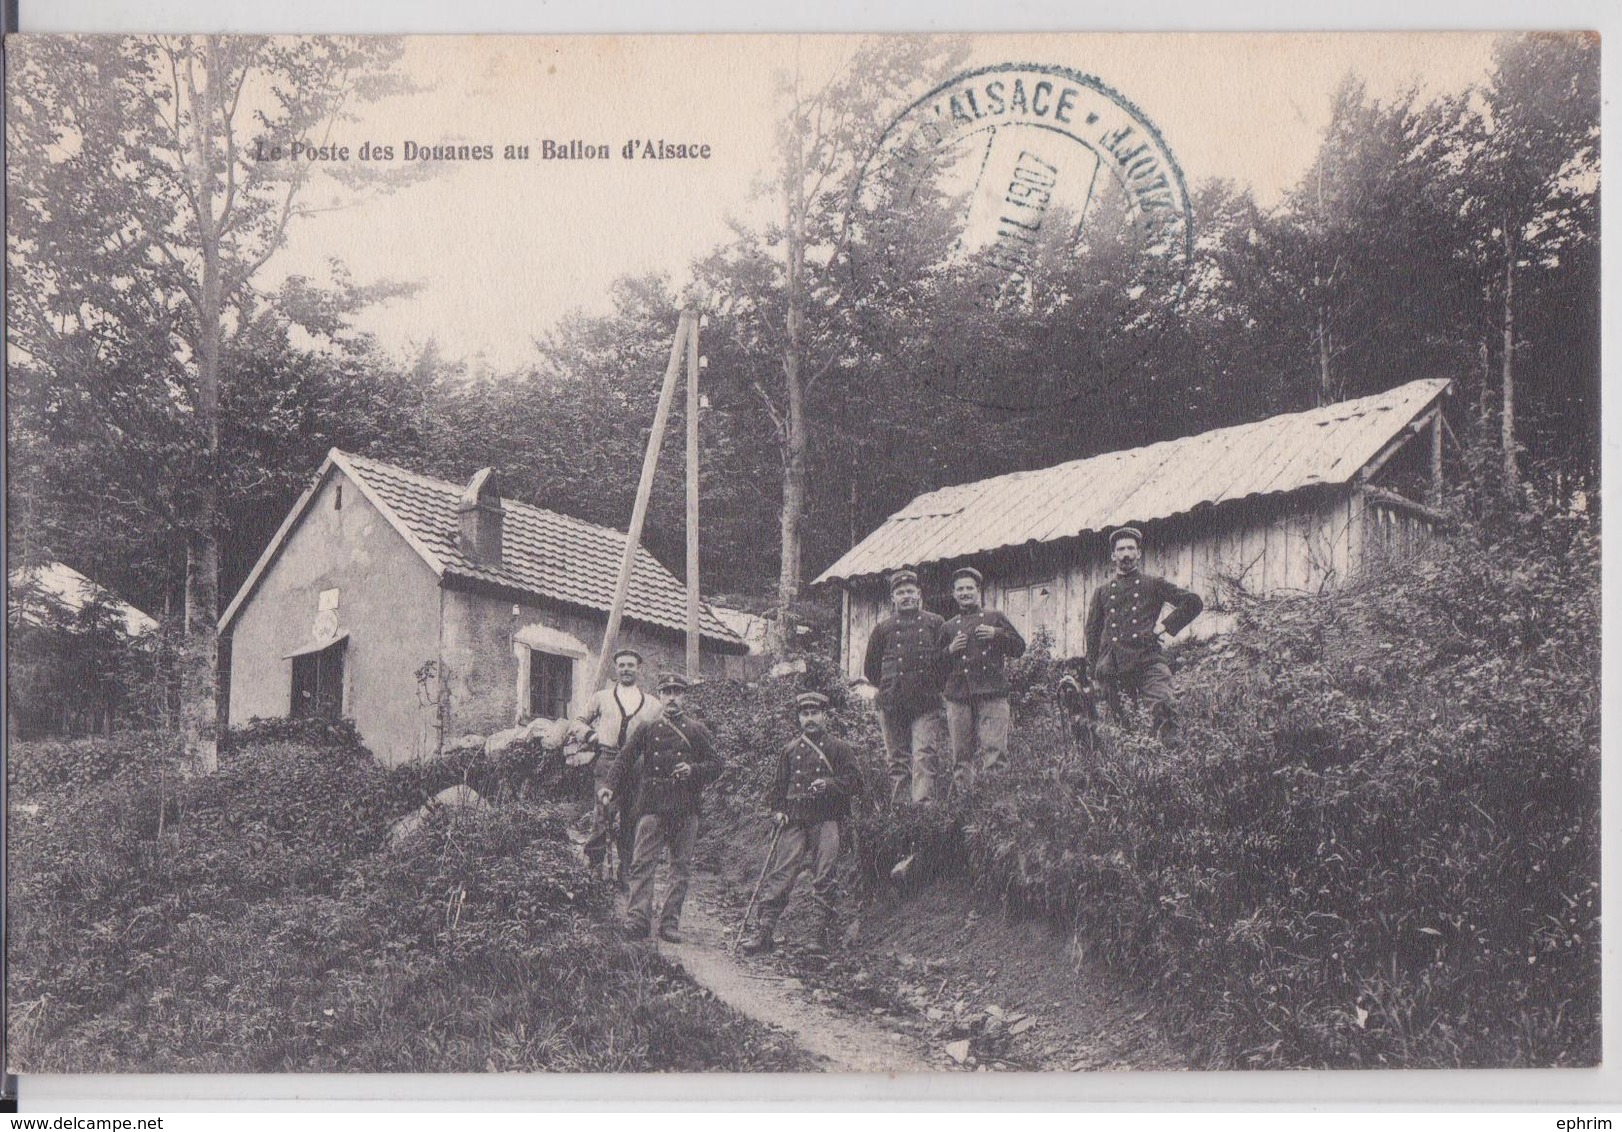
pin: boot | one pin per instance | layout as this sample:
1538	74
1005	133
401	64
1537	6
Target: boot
759	941
820	941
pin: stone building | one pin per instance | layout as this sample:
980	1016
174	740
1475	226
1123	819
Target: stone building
424	610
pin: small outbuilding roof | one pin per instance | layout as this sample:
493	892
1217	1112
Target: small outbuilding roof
544	553
1327	445
70	591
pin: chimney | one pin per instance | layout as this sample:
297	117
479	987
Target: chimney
479	516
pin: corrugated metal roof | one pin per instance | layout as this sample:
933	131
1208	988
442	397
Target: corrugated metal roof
542	552
1326	445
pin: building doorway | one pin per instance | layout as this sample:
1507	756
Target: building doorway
318	682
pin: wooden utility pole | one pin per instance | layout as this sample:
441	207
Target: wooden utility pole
639	512
1436	453
692	495
1507	409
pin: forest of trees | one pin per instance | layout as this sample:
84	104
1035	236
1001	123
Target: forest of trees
166	410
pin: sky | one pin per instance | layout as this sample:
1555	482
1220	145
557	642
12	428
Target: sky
501	250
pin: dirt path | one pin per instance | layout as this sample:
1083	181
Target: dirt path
926	982
850	1044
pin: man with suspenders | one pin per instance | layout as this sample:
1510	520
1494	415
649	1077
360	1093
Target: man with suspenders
609	720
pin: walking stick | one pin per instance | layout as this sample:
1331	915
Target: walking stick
771	851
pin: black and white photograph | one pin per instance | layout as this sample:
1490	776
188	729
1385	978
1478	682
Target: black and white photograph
809	554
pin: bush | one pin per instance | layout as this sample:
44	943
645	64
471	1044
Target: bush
753	721
1376	841
522	770
251	922
43	765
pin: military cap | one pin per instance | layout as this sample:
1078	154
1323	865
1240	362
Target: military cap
673	681
629	652
969	572
1125	532
811	700
903	578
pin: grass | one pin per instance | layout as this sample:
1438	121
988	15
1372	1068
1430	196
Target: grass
281	936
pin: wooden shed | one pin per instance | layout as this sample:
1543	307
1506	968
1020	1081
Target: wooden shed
1298	502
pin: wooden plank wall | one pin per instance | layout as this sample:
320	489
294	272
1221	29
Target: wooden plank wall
1302	545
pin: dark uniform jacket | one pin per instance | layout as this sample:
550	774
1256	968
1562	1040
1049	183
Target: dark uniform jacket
800	764
904	661
650	756
1121	621
977	670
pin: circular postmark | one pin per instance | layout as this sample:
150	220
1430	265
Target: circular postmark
1023	232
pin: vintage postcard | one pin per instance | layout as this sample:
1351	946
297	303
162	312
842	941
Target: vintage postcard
744	554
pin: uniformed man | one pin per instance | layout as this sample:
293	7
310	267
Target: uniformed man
608	721
661	772
1124	629
817	776
904	662
974	645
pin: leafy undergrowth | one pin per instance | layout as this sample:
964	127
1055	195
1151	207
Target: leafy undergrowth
1374	843
249	921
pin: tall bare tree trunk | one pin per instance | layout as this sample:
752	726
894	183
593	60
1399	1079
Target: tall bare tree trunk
1326	388
1511	470
795	432
199	689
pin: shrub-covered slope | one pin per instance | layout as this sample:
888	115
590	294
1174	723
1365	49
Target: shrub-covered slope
253	921
1376	841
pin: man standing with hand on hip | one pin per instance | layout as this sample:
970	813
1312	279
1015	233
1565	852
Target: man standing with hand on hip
903	661
975	644
1124	628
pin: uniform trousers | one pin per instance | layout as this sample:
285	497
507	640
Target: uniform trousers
978	732
913	741
603	832
813	846
1150	686
656	835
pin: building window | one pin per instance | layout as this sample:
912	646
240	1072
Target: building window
318	683
551	684
1032	608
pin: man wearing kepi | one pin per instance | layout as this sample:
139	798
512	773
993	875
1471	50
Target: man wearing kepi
904	662
817	775
663	770
975	644
608	720
1124	627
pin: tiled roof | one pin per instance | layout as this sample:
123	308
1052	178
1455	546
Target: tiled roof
1328	445
543	552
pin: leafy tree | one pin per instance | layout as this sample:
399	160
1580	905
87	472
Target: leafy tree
141	210
785	289
1533	180
1359	280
